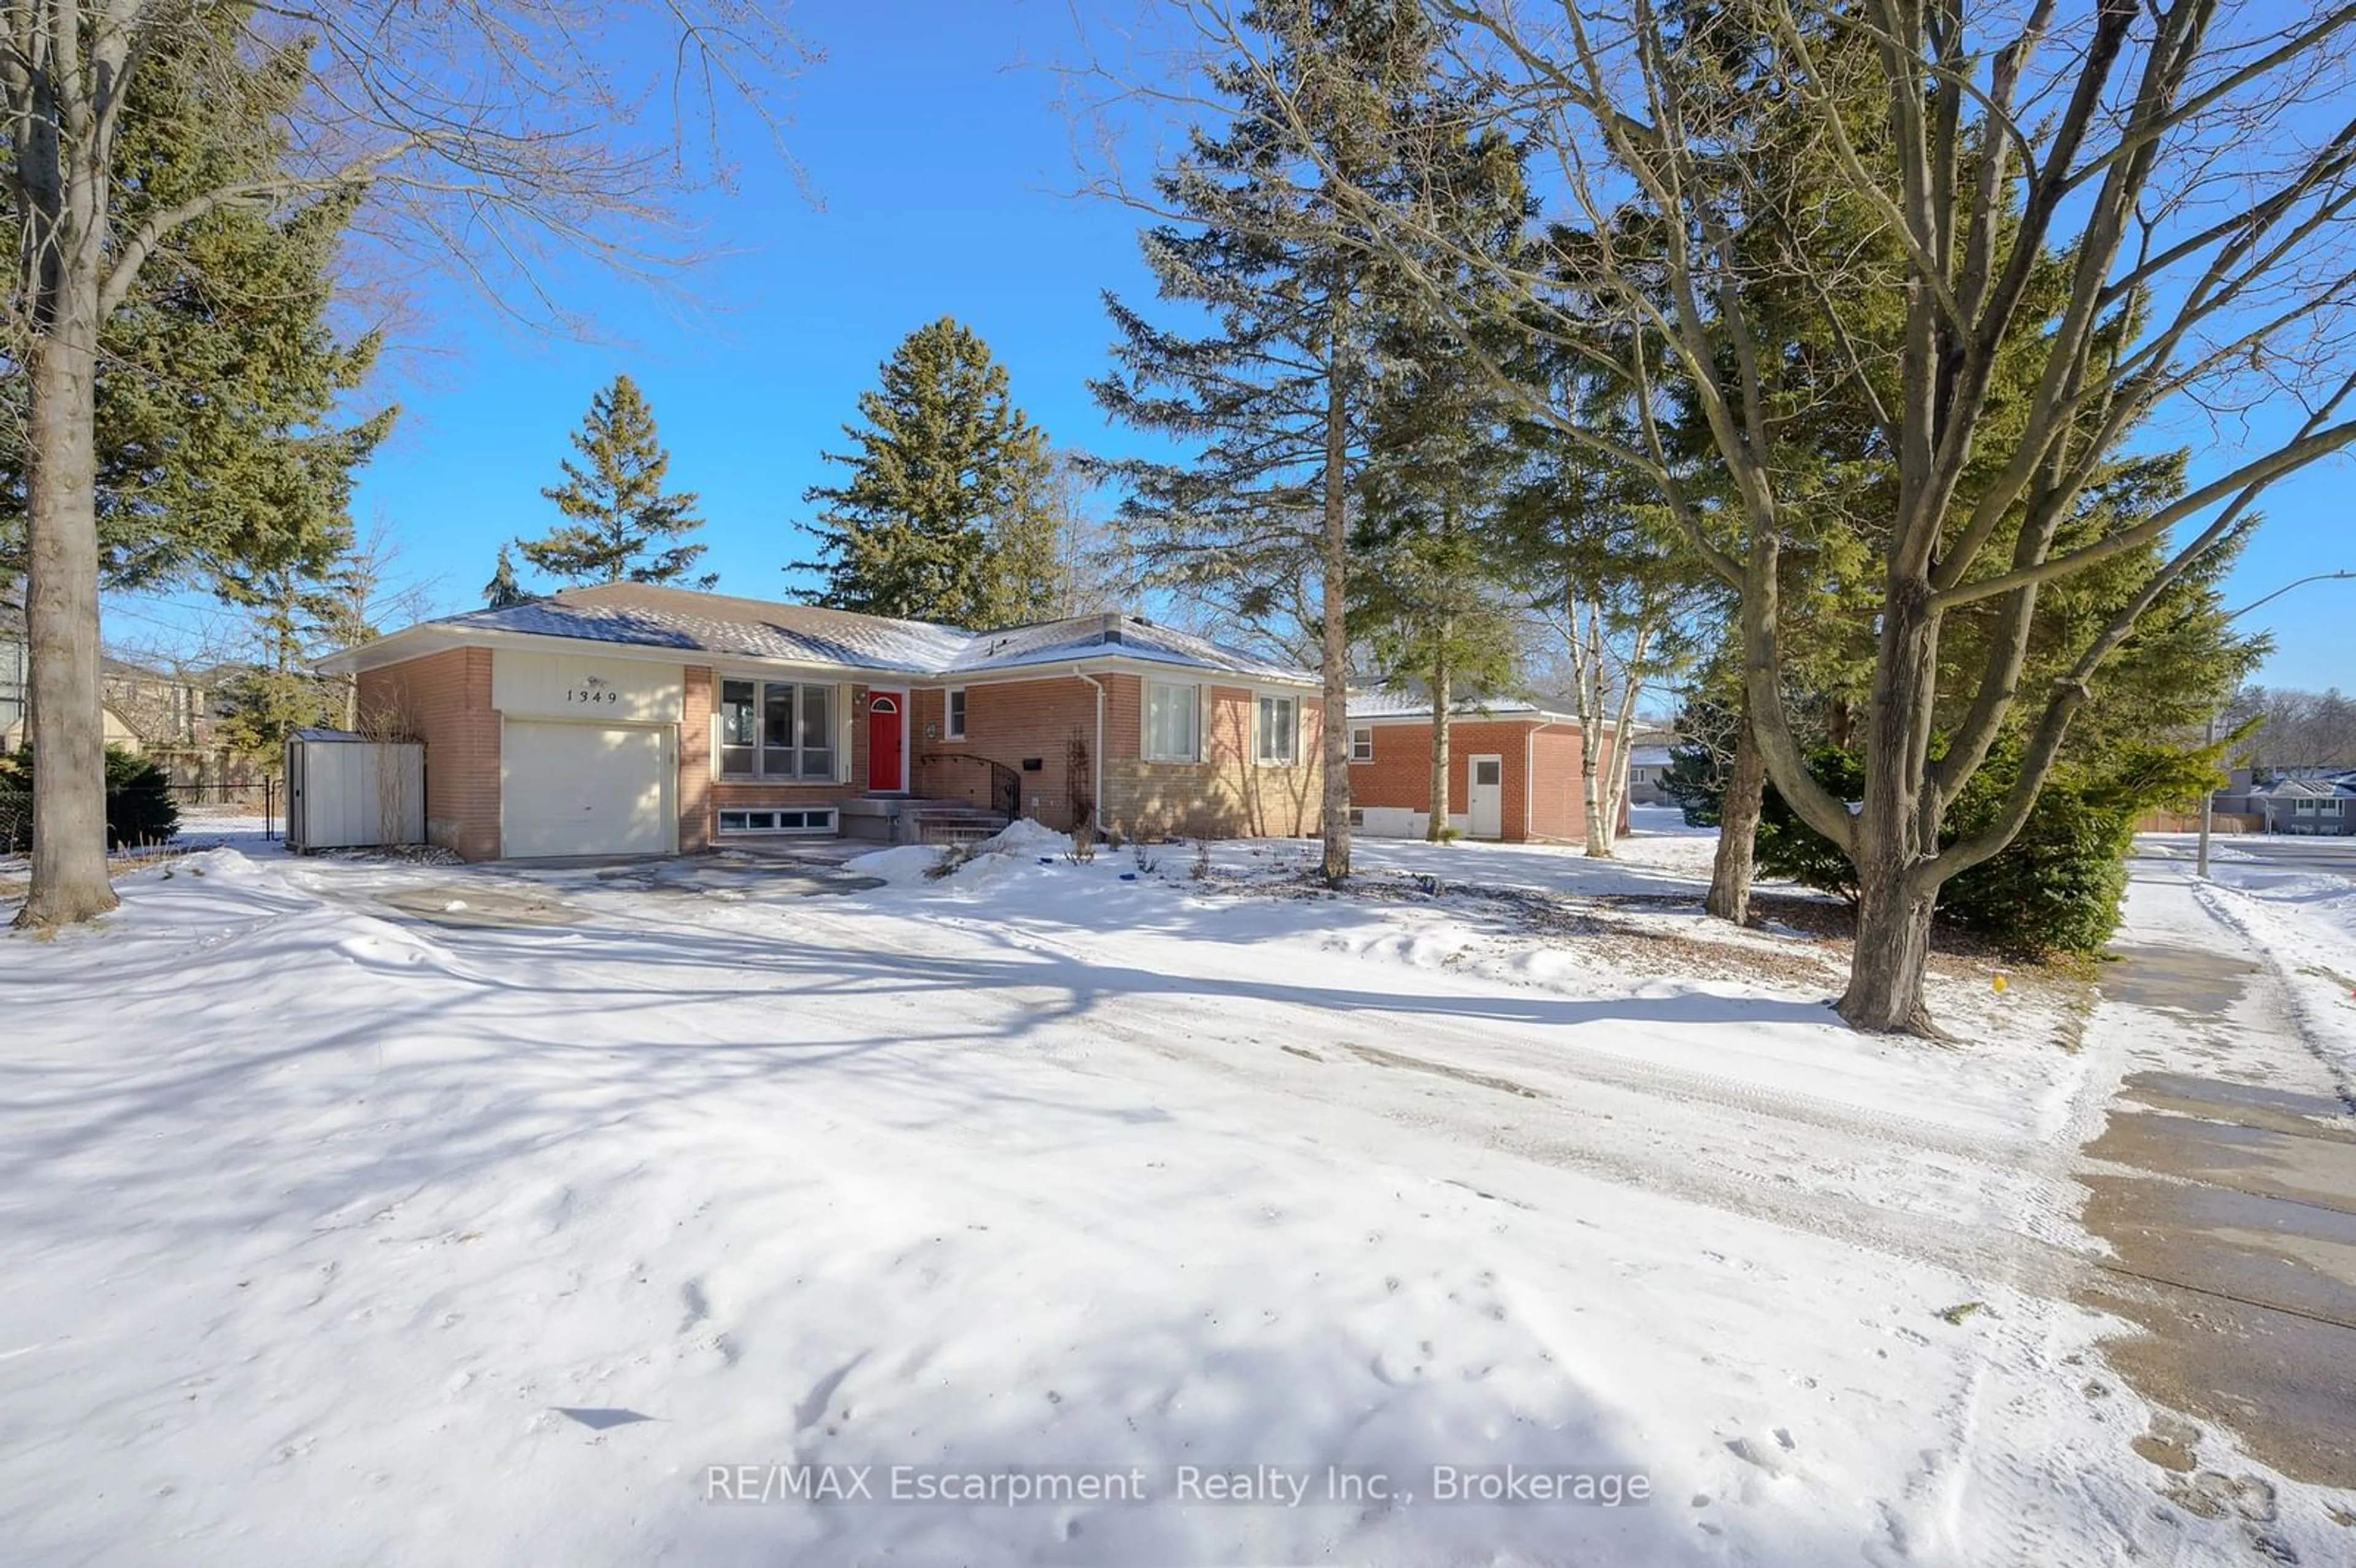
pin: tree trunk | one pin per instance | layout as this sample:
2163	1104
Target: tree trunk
1336	725
1893	949
1442	685
69	862
1897	829
1738	830
1591	739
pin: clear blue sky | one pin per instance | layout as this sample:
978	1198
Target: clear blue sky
932	136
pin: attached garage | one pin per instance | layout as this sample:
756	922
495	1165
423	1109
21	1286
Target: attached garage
568	788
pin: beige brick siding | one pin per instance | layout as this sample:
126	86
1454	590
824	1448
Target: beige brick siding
444	700
1227	795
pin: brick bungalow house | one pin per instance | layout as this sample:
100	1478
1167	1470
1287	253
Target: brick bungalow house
1512	770
633	719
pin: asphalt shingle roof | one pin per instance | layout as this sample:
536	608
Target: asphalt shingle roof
642	616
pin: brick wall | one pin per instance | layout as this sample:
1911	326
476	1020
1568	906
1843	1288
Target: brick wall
702	795
1010	723
1545	796
1558	797
444	700
1561	805
695	762
1400	775
1225	795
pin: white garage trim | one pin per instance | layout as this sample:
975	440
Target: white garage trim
586	789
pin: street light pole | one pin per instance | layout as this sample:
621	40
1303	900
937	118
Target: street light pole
2209	797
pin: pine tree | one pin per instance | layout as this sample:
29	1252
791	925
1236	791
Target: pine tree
221	383
503	592
1256	521
949	511
623	527
1432	590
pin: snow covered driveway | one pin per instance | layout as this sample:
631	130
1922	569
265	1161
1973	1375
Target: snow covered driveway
341	1227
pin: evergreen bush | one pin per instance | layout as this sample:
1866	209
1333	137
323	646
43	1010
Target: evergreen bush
2056	888
139	806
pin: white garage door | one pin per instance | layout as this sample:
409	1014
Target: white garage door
583	789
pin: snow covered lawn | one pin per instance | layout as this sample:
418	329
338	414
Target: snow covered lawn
368	1213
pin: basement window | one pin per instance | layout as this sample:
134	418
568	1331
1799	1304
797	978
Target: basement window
778	819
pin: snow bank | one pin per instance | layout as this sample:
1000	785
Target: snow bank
1026	835
902	865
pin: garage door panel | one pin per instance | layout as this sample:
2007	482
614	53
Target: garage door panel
584	789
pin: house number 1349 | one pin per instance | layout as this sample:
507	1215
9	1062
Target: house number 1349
579	694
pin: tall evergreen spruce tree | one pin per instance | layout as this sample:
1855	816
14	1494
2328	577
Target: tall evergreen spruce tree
623	526
949	513
1275	393
1431	602
220	431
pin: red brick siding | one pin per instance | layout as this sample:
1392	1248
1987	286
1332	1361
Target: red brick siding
444	700
1552	804
1400	775
1010	723
701	793
1559	804
695	820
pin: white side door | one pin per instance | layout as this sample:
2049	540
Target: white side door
1486	802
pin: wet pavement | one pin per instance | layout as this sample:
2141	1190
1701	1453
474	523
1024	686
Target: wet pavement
2230	1201
510	894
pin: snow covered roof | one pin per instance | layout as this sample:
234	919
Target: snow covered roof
2318	788
1648	756
644	616
1382	705
1098	636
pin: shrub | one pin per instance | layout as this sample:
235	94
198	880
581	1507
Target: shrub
139	807
2056	888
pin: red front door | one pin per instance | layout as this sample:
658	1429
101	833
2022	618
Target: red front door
883	720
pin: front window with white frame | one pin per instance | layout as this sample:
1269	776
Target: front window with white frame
1362	743
776	730
1173	723
1277	734
953	721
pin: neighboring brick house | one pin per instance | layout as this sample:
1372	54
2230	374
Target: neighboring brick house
1512	770
634	719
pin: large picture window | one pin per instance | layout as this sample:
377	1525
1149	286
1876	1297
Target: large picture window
1280	731
777	729
1173	723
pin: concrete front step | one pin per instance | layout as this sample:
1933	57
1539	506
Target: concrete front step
910	819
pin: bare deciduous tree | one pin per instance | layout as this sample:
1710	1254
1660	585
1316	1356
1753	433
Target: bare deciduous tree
2153	200
489	137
